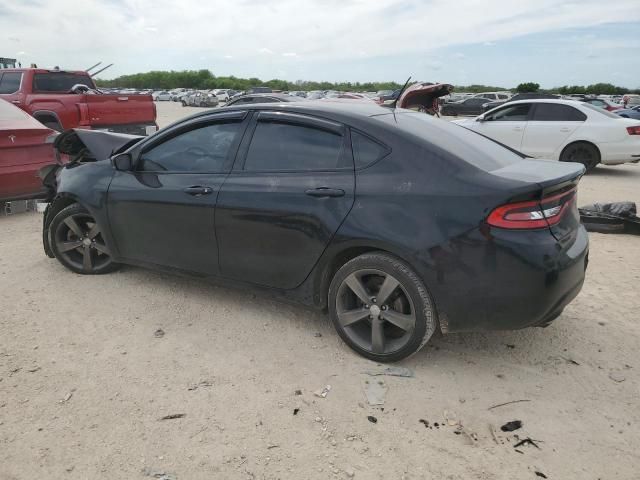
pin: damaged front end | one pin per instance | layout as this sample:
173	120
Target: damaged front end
73	148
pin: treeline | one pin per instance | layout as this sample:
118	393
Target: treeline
205	80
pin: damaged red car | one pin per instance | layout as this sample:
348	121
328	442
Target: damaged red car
25	147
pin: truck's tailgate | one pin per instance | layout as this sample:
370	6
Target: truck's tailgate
109	110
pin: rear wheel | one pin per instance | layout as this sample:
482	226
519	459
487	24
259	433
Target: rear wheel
78	243
581	152
380	307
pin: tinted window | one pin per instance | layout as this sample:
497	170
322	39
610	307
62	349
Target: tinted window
461	142
59	82
204	149
10	82
502	96
476	101
513	113
553	112
281	146
365	150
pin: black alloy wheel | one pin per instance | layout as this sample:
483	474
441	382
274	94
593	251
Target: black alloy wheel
77	242
581	152
380	308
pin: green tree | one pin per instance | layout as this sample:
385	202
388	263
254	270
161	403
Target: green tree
529	87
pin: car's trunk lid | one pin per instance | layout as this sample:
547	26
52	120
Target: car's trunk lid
554	182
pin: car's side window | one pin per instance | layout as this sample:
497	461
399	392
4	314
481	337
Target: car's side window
512	113
10	82
366	150
285	146
203	149
555	112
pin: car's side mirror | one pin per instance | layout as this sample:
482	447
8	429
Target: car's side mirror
122	162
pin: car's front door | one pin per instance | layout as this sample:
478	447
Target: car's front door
163	211
291	188
549	127
506	124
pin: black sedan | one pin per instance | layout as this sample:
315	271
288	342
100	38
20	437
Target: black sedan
397	223
263	98
468	106
490	105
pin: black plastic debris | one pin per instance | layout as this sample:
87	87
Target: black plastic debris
527	441
511	426
424	422
540	474
372	419
173	416
618	217
159	333
295	411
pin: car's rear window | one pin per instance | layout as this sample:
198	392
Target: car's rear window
59	82
473	148
600	110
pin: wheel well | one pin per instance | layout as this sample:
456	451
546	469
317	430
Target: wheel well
582	141
55	207
338	261
48	118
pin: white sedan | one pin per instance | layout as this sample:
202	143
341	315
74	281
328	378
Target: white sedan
563	130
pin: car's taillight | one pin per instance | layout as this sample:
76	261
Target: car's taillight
532	215
634	130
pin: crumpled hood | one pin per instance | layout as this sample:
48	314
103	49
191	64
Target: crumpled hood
82	144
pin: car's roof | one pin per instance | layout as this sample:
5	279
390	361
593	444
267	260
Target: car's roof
573	103
345	108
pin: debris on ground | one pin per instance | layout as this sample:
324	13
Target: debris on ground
424	422
173	416
295	411
203	383
322	393
511	426
509	345
67	397
527	441
298	392
568	360
507	403
372	419
317	334
617	377
450	419
618	217
159	475
33	369
391	371
159	333
540	474
375	391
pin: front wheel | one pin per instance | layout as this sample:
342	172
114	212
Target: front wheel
77	242
380	307
581	152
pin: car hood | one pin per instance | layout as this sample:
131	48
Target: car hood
82	145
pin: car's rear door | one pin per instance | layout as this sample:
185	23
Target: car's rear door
163	211
549	126
506	124
289	191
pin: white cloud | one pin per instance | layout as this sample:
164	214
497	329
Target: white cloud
228	56
289	54
133	33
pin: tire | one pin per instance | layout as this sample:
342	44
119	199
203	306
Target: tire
183	103
581	152
414	316
77	242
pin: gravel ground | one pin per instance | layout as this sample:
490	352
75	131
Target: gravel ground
85	379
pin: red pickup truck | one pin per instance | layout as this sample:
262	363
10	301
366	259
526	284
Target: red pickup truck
69	99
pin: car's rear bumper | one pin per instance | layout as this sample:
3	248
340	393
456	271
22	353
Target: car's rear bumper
616	153
507	280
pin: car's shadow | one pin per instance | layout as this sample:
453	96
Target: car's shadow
453	350
632	170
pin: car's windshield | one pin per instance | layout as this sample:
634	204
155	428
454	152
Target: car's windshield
59	81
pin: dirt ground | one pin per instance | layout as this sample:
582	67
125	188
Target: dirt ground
85	381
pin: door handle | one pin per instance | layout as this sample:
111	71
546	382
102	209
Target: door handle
564	129
325	192
197	190
517	129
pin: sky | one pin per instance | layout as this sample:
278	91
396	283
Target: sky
491	42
